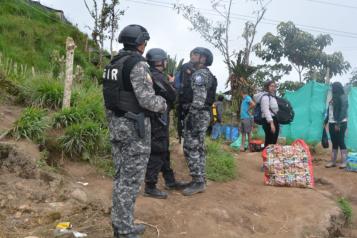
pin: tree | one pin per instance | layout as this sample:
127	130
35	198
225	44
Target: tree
302	50
289	86
217	34
173	65
267	72
101	23
353	79
330	65
114	16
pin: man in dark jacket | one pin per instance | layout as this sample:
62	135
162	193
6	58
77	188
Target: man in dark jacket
160	156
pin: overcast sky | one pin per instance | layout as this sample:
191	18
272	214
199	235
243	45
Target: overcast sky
170	31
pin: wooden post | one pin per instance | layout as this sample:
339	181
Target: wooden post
70	46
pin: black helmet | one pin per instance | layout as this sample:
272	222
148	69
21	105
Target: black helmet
205	52
133	35
156	54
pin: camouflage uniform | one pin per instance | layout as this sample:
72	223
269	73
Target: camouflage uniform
129	151
196	124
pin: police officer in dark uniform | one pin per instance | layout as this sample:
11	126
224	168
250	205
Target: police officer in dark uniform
183	87
129	96
160	156
197	106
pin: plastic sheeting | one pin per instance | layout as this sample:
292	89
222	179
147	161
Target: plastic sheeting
352	120
309	103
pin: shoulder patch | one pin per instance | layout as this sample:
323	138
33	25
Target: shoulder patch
198	80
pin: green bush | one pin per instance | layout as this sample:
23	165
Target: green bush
67	117
31	125
83	139
90	103
221	165
94	73
44	92
346	208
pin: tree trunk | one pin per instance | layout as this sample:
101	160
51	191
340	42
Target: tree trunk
70	46
86	45
111	43
328	76
101	53
228	22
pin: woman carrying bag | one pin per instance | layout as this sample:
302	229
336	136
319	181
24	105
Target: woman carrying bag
336	118
269	108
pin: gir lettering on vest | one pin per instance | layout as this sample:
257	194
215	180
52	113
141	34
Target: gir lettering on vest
110	74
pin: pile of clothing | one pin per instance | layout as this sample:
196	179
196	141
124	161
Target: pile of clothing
288	165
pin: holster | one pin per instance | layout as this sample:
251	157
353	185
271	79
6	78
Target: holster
139	120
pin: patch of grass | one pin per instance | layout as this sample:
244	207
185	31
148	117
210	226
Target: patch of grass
42	162
67	117
104	164
31	125
346	208
37	34
44	91
90	103
13	70
221	165
83	139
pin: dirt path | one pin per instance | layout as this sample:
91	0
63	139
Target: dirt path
8	115
241	208
335	183
32	203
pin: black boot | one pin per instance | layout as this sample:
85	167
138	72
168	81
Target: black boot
178	185
128	236
138	229
154	193
195	187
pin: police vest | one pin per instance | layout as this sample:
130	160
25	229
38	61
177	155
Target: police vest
186	92
185	88
117	88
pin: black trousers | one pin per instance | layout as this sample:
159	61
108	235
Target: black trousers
338	137
159	162
270	138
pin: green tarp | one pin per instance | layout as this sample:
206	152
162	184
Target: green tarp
352	120
309	103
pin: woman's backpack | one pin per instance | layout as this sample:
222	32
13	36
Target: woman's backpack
285	114
257	113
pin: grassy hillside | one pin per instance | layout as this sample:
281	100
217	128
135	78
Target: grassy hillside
29	35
